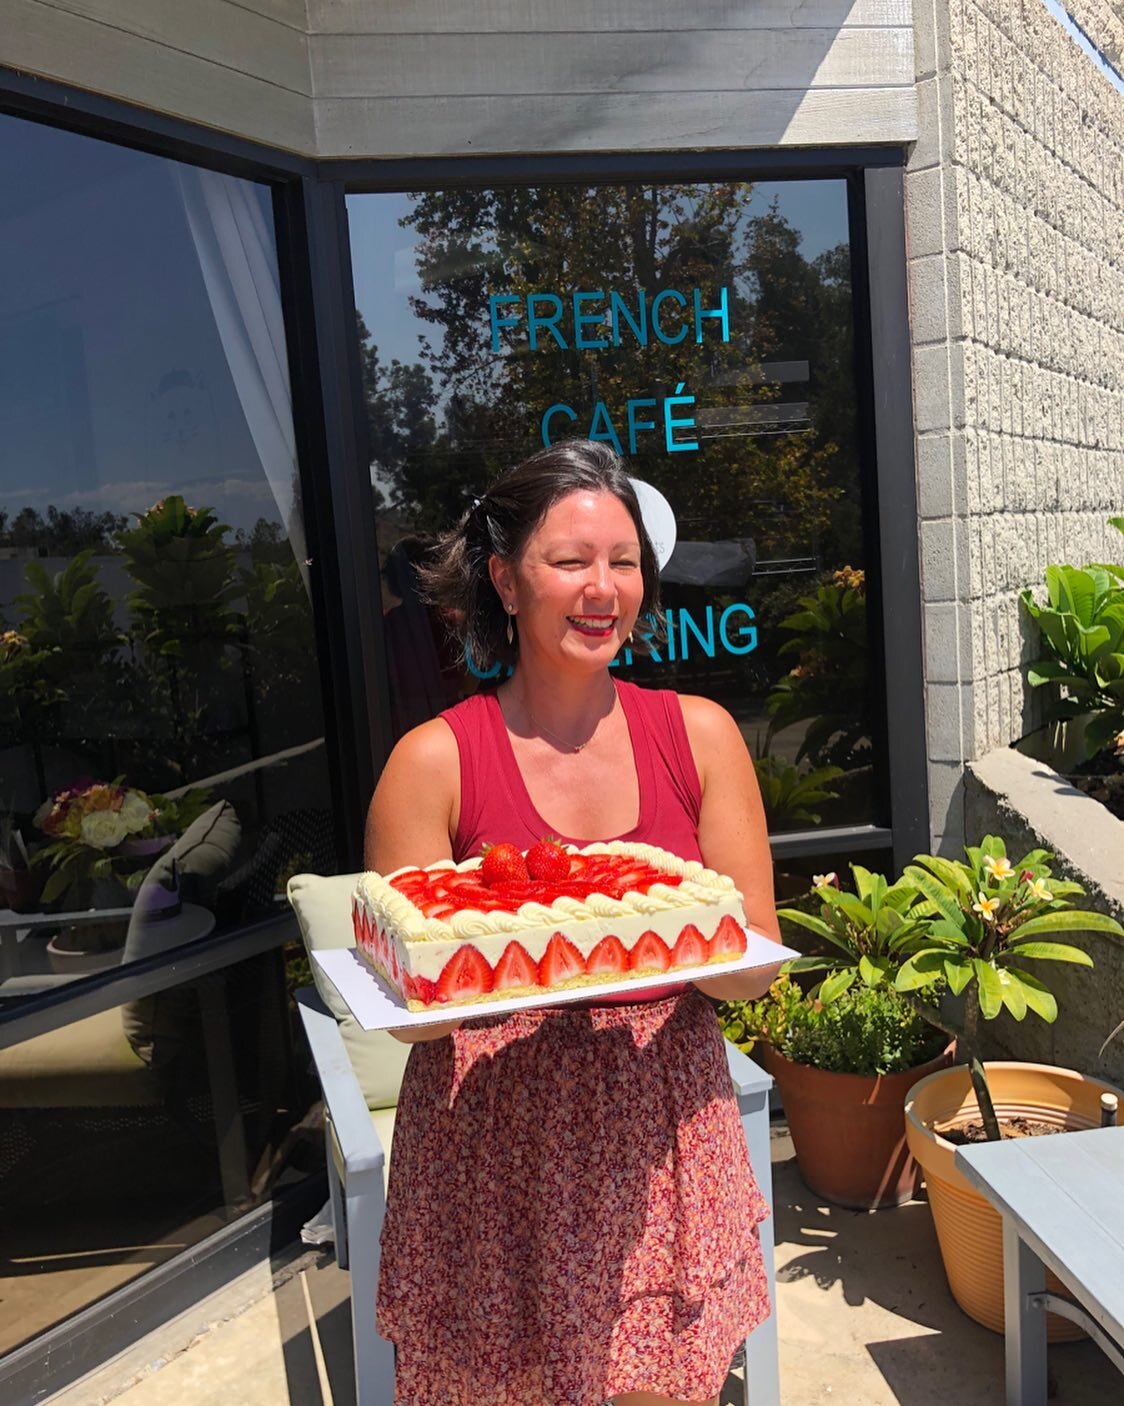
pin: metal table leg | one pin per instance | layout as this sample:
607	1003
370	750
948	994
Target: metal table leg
1024	1277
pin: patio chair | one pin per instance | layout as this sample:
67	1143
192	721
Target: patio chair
360	1072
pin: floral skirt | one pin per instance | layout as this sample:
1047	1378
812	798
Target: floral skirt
571	1212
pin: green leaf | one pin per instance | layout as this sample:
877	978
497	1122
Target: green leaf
1067	920
847	903
958	973
873	972
809	964
953	875
862	879
990	988
1013	997
834	986
1037	996
934	890
1052	952
818	926
921	970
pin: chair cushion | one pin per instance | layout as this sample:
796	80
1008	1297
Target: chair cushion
323	908
383	1119
88	1064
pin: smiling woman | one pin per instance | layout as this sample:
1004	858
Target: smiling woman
558	545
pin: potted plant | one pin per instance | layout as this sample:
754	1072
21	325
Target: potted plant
1082	628
102	838
843	1069
983	920
845	1052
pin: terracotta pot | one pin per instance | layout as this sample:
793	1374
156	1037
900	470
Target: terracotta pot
74	952
847	1130
970	1232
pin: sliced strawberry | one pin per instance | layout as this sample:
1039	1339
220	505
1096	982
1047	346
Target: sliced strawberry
560	961
466	974
419	988
607	958
650	953
579	863
438	909
728	940
691	948
515	968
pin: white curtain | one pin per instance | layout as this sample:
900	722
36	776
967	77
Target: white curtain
237	256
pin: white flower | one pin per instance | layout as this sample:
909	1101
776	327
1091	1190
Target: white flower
819	880
998	869
986	908
103	829
1039	890
134	812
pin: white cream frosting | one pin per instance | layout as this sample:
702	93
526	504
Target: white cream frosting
402	941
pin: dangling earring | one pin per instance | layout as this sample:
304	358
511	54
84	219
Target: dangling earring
510	629
629	641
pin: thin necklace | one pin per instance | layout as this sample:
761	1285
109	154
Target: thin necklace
553	736
561	741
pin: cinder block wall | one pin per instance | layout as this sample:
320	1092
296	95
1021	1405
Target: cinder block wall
1015	216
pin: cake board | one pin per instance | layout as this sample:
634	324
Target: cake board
376	1007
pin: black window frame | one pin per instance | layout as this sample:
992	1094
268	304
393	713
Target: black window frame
309	198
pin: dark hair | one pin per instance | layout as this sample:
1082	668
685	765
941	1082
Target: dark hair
456	580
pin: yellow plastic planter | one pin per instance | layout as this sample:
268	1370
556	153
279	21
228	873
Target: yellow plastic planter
970	1232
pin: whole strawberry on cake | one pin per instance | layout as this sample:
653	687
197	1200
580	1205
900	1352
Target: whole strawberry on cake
511	923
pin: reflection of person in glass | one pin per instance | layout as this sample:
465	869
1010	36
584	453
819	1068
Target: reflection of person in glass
571	1212
421	678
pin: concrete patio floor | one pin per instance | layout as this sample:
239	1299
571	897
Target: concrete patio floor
864	1313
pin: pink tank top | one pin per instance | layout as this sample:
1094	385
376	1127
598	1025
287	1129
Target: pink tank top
495	804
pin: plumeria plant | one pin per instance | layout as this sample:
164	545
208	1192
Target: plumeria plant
869	932
982	920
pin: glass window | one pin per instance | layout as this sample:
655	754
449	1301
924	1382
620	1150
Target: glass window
705	332
129	1136
162	768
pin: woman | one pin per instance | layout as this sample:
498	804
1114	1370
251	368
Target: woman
571	1212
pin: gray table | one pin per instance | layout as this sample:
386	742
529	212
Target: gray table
1060	1199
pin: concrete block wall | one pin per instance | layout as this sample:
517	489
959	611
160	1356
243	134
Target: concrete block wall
1015	219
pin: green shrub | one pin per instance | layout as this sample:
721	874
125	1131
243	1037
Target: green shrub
866	1030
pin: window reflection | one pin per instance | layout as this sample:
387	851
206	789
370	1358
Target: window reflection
162	768
704	331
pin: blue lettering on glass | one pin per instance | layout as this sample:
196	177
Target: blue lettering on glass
671	423
634	424
554	410
546	313
590	319
601	427
675	296
535	320
746	632
497	322
686	636
618	309
687	624
722	312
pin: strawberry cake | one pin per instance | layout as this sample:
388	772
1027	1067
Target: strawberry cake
515	924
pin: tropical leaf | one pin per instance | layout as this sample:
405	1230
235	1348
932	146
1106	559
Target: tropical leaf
836	984
1036	994
1013	996
958	973
1052	952
874	971
817	926
990	988
1067	920
923	969
934	890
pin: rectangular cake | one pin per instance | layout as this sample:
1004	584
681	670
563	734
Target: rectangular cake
467	933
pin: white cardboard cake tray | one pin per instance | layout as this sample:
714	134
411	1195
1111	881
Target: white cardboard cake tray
376	1007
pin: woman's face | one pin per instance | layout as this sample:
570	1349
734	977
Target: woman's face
577	586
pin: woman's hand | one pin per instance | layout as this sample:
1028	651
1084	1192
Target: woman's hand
733	836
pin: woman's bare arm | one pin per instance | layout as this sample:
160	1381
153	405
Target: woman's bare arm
733	836
412	819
